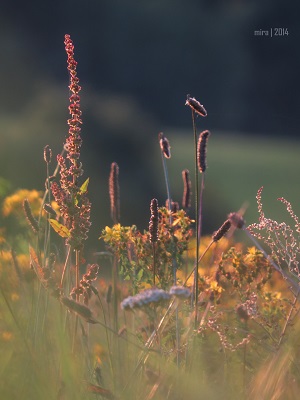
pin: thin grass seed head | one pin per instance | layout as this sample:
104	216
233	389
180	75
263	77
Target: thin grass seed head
114	192
201	150
164	145
187	189
153	224
29	216
47	154
221	231
195	106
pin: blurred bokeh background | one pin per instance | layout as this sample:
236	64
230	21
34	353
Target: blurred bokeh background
137	61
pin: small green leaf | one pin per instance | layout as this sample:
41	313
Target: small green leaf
139	275
59	228
84	187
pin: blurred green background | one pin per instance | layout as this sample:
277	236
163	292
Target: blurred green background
137	60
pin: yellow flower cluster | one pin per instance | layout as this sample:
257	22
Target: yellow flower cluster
13	204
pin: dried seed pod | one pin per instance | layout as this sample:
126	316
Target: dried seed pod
29	216
201	150
221	231
195	106
114	192
164	145
187	189
153	224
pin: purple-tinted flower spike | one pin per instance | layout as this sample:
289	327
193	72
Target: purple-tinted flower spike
195	106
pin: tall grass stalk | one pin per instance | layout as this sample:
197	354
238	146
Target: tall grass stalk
166	154
198	109
197	222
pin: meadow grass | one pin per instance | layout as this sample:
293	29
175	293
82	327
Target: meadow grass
151	330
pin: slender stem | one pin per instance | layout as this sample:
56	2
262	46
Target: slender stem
167	182
174	265
77	265
107	338
115	292
65	266
288	318
154	261
196	273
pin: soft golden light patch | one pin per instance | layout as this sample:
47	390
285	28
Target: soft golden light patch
6	336
100	353
14	297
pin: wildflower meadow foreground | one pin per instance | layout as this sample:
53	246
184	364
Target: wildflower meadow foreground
181	316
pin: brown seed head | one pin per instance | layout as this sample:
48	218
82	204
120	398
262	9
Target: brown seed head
195	106
153	224
221	231
47	154
201	150
114	192
164	145
29	216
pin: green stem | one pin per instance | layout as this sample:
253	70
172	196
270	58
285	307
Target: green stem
154	261
77	265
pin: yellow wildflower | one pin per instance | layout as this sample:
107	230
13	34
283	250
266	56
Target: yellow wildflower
13	204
